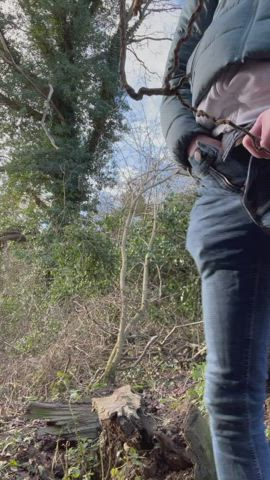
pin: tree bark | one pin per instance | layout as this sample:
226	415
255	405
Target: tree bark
198	438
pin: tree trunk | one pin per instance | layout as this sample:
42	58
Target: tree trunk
198	438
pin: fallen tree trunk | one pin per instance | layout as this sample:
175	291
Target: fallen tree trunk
70	421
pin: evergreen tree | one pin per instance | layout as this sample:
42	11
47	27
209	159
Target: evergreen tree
60	103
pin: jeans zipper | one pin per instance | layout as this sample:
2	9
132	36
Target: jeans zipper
225	180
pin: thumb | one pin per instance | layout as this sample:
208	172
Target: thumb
255	130
257	127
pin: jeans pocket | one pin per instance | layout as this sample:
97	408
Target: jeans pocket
205	163
201	161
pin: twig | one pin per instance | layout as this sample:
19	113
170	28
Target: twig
82	351
122	64
91	317
201	113
54	460
141	62
45	113
10	60
147	346
178	326
145	283
142	39
160	282
166	9
181	41
197	354
97	377
101	461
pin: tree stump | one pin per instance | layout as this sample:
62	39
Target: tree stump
122	413
122	403
120	424
198	439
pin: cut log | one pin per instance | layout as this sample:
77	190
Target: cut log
198	439
70	421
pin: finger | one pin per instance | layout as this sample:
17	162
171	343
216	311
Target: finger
248	142
252	150
265	134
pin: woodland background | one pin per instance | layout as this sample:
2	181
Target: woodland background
96	287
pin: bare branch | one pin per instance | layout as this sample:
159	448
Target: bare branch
225	121
200	352
137	24
122	64
45	113
136	7
145	284
141	62
160	282
165	9
7	56
17	106
145	38
37	199
146	348
179	326
126	321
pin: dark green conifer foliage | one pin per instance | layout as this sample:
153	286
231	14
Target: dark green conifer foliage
72	45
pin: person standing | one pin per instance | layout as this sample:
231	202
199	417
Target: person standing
225	52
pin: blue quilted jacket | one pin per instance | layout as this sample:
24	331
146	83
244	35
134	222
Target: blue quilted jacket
225	32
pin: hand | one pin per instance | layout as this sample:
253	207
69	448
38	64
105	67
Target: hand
207	140
261	129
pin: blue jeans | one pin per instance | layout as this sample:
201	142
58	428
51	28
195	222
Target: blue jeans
229	239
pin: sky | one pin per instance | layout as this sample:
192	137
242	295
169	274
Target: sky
146	138
154	55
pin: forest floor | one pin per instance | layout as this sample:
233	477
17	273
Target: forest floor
169	378
25	454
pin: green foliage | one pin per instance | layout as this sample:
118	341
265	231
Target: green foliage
62	383
72	45
48	283
37	276
82	461
171	265
81	260
196	393
131	465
